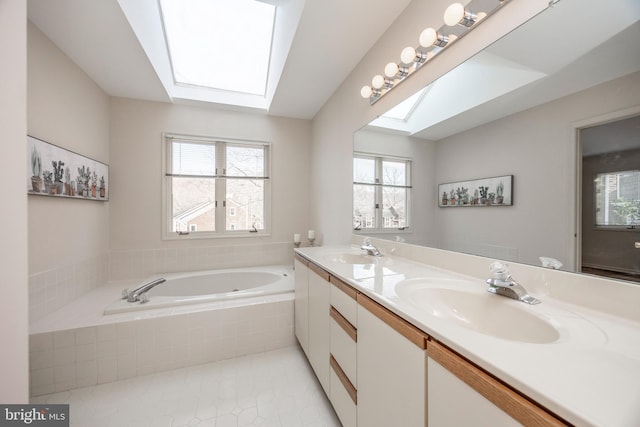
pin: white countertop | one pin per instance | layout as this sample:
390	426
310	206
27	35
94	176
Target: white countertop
589	375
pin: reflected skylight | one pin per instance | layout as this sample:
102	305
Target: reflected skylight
220	44
403	110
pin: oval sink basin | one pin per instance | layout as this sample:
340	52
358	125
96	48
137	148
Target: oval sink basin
480	311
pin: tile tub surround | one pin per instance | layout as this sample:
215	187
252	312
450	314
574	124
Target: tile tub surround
138	264
160	340
275	388
52	289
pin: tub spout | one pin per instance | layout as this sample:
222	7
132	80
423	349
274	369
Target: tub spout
136	294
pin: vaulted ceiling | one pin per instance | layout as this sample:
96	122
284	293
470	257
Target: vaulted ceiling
329	38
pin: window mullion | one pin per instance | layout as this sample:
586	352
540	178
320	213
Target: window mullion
221	187
378	193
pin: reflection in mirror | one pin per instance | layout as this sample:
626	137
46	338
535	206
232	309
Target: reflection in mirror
611	199
518	108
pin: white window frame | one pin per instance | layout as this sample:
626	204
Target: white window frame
605	199
378	226
221	232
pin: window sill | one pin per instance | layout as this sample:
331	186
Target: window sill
212	236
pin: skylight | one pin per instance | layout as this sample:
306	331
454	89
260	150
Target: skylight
403	110
220	44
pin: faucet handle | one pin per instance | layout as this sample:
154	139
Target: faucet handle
499	270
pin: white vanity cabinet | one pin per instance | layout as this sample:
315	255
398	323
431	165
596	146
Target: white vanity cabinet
391	365
301	306
344	338
319	325
461	394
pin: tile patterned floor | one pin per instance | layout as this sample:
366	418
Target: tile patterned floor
277	388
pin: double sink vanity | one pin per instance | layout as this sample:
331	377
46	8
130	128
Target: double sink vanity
396	341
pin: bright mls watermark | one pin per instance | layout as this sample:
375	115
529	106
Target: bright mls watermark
34	415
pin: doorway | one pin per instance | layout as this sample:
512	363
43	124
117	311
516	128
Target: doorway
610	199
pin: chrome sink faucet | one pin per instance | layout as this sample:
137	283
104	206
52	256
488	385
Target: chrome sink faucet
371	250
501	283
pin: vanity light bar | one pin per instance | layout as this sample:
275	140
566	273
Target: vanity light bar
431	42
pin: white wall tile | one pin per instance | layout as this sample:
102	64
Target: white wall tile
41	342
40	360
87	373
86	352
107	370
64	356
64	377
63	339
86	335
107	349
52	289
106	333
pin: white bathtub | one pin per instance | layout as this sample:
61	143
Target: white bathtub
180	333
201	287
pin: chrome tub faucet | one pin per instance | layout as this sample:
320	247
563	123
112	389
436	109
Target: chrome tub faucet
139	294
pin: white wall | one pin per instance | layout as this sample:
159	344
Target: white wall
14	387
68	238
346	111
136	174
538	147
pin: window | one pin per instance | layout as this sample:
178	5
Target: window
381	193
208	181
617	196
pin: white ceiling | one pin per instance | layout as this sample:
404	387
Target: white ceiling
331	38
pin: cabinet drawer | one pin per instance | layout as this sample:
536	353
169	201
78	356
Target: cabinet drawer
343	401
343	298
343	346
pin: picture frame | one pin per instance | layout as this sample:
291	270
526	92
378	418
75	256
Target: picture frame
494	191
57	172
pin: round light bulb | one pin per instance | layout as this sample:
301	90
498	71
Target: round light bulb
377	82
391	69
428	37
366	92
408	55
453	14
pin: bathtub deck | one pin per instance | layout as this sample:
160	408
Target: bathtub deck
78	346
87	310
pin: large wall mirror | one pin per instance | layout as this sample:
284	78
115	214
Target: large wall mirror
553	106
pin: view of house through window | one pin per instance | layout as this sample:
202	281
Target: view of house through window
618	199
381	192
215	186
